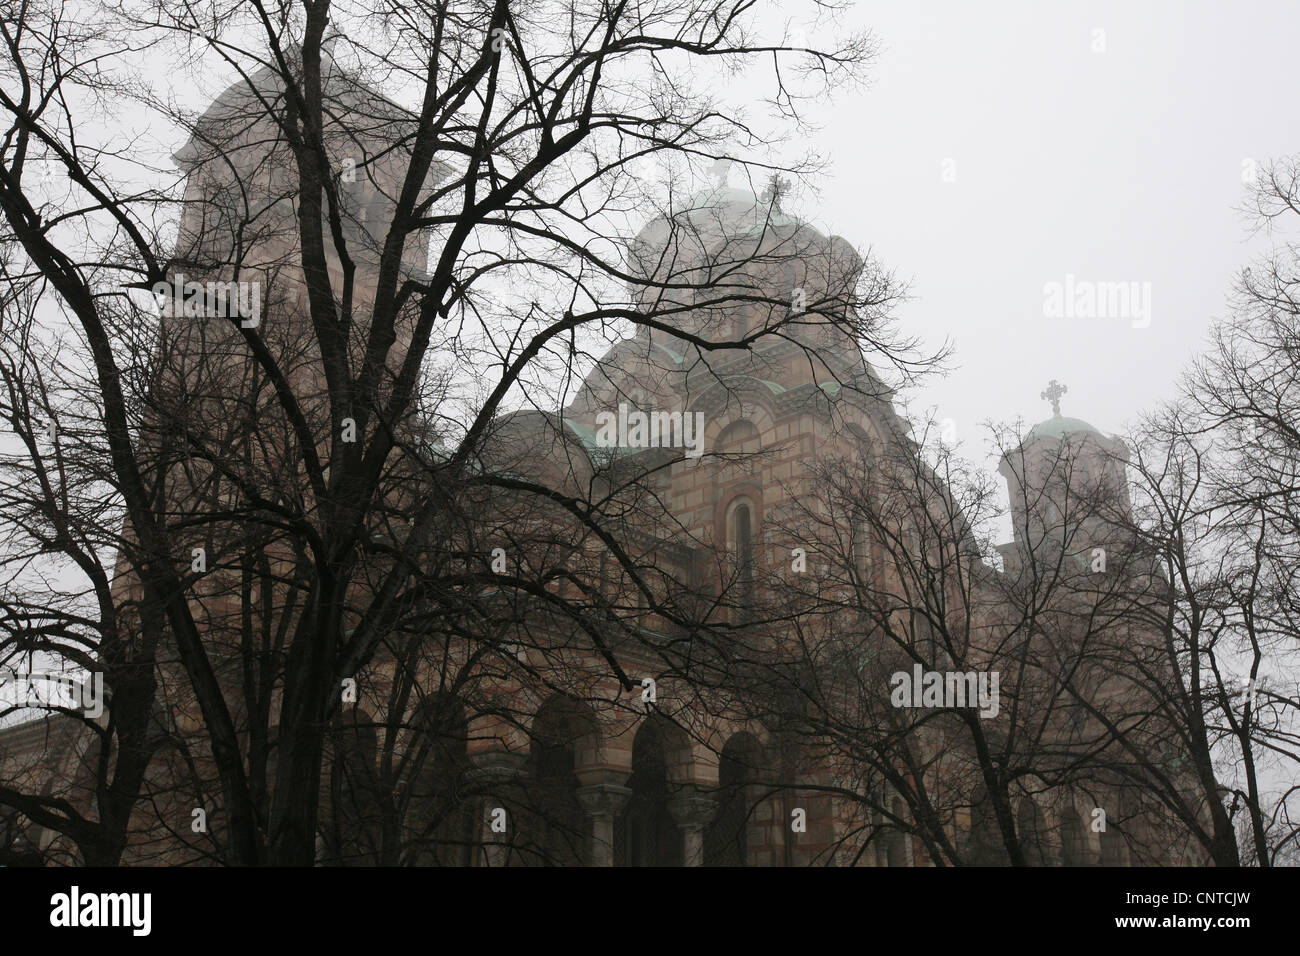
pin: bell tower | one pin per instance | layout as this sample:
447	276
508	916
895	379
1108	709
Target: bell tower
1067	486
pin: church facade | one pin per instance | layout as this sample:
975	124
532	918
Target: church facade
716	724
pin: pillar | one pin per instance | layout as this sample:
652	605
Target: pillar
601	805
494	773
692	810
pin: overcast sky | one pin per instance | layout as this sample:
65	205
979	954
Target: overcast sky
1002	146
1122	165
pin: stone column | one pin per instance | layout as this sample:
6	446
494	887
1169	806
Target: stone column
601	805
493	773
692	810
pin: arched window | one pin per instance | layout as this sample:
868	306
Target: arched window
561	729
789	279
647	834
1132	827
889	838
859	550
727	840
740	323
793	293
741	527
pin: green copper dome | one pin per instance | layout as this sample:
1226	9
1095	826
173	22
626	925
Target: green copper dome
1059	426
743	213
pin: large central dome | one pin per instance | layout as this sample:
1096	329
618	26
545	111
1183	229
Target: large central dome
704	226
725	263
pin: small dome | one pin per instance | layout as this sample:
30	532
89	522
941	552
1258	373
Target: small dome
1061	426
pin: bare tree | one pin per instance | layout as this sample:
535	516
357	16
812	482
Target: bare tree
310	454
902	576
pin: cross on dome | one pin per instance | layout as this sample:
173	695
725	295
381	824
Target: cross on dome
1053	394
719	170
777	187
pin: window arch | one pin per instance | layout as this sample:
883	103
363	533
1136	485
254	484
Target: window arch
739	436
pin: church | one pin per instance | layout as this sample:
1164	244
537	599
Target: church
709	570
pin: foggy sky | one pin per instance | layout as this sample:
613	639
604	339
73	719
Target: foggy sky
1123	165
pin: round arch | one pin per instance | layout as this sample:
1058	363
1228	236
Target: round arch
662	766
736	832
564	739
439	820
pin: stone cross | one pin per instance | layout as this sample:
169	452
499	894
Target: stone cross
776	188
1053	394
721	166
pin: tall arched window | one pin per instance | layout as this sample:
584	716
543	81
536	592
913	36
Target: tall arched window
727	841
792	292
647	834
741	526
563	726
745	550
740	321
859	550
889	839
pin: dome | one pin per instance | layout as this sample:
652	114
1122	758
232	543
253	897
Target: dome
739	208
706	221
738	245
1061	426
361	123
